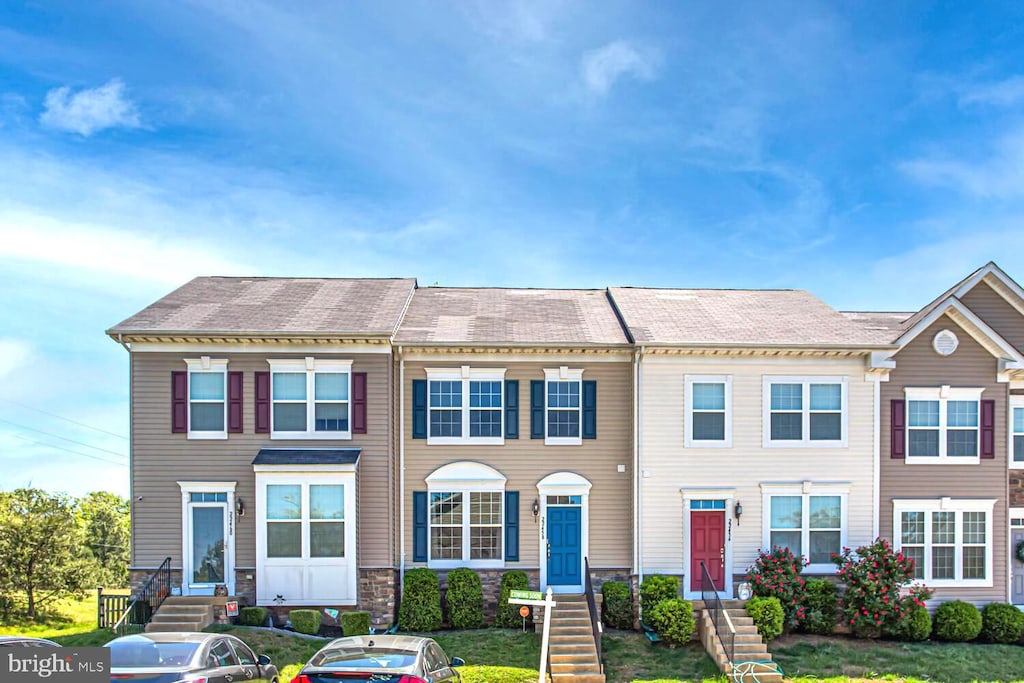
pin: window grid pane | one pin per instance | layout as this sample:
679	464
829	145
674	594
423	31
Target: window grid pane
826	397
326	501
331	417
446	394
786	512
708	396
787	426
485	512
284	501
962	443
924	442
445	422
923	413
330	386
563	423
206	386
826	426
485	423
289	417
484	394
206	417
962	413
446	525
787	396
563	394
708	426
326	539
289	386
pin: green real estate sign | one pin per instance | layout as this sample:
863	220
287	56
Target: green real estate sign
526	595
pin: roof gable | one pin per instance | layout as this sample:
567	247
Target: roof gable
992	275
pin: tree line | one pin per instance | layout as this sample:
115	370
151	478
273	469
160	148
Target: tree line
53	545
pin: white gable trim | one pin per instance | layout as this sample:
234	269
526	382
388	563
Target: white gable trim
1000	282
974	326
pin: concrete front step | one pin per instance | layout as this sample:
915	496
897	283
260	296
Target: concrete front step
573	651
580	678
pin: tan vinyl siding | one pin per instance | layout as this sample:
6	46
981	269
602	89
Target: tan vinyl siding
525	461
668	466
918	365
997	313
160	458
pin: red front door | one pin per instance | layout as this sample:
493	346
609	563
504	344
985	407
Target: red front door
707	545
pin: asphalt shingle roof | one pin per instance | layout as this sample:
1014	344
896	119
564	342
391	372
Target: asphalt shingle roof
442	315
307	456
255	305
717	317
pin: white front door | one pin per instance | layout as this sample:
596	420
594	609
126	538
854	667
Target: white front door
208	537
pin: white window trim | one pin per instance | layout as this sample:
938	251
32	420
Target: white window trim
465	478
728	495
943	395
465	375
806	382
310	366
563	484
562	374
205	364
806	490
690	442
1016	401
187	489
959	506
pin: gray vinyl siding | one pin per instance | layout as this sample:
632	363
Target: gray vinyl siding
997	313
918	365
161	458
525	461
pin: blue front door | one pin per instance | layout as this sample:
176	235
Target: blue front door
565	544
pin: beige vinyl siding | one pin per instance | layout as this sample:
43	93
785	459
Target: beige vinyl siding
161	458
918	365
525	461
997	313
668	466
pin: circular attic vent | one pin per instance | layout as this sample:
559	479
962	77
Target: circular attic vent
945	343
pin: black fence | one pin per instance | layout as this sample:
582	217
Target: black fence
140	606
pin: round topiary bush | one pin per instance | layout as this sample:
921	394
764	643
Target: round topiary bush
355	623
465	599
915	623
957	621
654	589
617	605
768	616
421	601
820	605
305	621
253	616
673	620
1001	623
508	615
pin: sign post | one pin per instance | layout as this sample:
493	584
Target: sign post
537	599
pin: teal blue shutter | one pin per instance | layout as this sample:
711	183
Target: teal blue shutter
536	409
511	526
419	525
511	409
419	409
589	409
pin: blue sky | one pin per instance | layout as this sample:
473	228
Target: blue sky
872	153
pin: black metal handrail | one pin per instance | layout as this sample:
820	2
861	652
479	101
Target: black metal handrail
146	601
724	630
595	617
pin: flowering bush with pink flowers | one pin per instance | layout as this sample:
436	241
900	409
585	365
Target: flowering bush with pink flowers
879	596
776	574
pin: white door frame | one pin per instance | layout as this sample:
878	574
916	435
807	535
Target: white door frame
1012	513
564	484
708	494
187	489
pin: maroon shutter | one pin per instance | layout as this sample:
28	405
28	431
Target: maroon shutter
898	428
988	429
262	402
179	402
358	402
235	402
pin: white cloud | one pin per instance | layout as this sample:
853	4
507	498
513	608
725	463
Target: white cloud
1003	93
602	67
91	110
14	353
1001	176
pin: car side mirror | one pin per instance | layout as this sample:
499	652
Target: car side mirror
458	661
264	660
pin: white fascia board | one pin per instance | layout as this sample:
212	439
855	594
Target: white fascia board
994	272
975	326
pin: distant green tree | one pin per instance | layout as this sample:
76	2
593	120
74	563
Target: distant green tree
41	546
107	528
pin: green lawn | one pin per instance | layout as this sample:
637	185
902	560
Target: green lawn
56	619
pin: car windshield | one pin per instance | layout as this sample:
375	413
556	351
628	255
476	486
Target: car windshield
363	659
143	652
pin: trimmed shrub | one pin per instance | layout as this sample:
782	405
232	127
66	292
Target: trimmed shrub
465	599
421	601
776	574
820	604
653	590
253	616
673	620
508	615
305	621
355	623
1001	623
957	621
617	605
915	624
768	616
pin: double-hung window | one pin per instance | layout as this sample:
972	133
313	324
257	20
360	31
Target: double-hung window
708	410
950	541
305	520
310	399
809	520
207	398
466	527
563	406
805	411
465	406
943	424
1017	431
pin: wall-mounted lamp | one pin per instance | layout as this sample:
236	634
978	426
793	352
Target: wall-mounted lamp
738	512
239	507
536	509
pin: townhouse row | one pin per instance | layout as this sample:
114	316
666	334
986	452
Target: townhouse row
306	441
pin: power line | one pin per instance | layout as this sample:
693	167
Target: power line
68	450
63	438
66	419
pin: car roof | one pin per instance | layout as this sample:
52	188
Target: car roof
26	639
409	643
171	637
